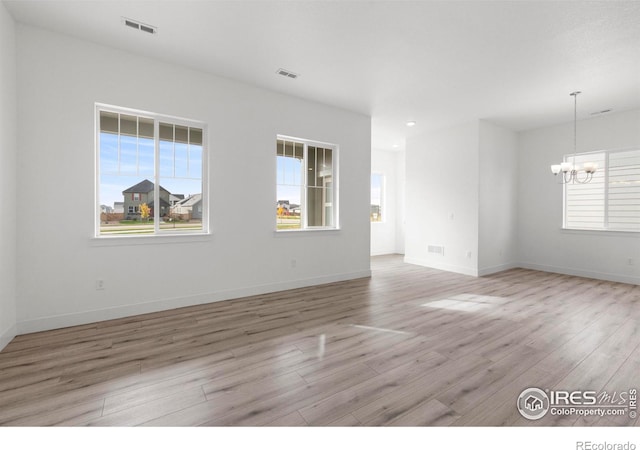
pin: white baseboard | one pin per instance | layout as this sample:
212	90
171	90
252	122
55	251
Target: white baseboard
495	269
629	279
7	336
442	266
116	312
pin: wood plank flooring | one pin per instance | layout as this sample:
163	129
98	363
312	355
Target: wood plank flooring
409	347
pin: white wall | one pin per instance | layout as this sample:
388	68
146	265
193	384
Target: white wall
60	78
442	209
383	234
498	208
8	168
400	201
543	243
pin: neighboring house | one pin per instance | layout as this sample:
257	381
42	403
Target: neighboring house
143	193
106	209
189	208
288	208
175	198
118	207
196	210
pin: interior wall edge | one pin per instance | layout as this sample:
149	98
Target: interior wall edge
498	268
629	279
7	336
442	266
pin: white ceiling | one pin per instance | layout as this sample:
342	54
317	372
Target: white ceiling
436	62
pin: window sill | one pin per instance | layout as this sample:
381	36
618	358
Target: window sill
585	231
302	232
108	241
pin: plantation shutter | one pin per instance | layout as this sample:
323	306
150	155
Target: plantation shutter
624	190
585	203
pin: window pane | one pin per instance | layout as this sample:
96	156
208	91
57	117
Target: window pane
166	132
128	155
195	161
108	153
311	166
181	202
108	122
146	156
182	134
166	159
315	207
181	160
195	136
145	127
289	168
128	125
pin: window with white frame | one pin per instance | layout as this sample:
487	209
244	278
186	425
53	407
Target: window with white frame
377	197
306	185
611	201
146	161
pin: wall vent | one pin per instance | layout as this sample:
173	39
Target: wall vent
438	249
287	73
139	26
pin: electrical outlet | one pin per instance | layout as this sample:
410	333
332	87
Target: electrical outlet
99	285
631	262
469	254
294	263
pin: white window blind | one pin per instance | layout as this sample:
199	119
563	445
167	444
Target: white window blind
624	190
611	201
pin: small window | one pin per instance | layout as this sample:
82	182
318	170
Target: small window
306	185
377	195
145	162
611	200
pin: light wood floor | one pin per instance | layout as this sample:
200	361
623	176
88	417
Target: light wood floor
410	346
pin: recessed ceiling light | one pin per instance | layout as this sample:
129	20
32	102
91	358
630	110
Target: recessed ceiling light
136	25
411	123
395	145
287	73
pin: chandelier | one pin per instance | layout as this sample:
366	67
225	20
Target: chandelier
571	173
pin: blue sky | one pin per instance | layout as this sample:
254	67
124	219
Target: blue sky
289	179
180	166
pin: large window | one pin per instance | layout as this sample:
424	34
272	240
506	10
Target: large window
377	195
611	201
150	174
306	185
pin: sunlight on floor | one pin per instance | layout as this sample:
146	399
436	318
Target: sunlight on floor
467	302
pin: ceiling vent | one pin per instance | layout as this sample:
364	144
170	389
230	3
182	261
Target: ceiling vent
139	26
287	73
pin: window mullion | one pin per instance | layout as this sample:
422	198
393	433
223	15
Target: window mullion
606	190
156	175
305	185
